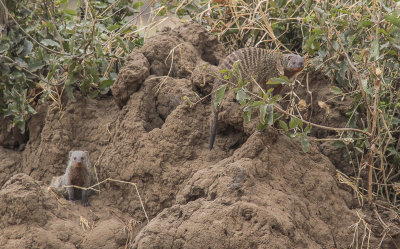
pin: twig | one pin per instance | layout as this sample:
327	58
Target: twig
113	180
293	116
322	126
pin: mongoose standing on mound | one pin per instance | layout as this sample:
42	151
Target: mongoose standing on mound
78	173
260	65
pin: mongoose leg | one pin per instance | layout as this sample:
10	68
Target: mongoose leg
85	199
71	194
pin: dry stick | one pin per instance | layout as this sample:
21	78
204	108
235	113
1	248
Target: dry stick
137	191
384	150
269	28
171	53
309	123
113	180
293	116
359	80
101	155
56	33
109	7
385	227
106	43
374	117
322	126
372	140
311	97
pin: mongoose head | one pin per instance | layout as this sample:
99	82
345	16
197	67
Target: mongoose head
78	158
294	63
291	65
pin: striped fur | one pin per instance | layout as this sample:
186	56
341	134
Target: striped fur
259	64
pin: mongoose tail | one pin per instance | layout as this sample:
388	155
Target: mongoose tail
213	127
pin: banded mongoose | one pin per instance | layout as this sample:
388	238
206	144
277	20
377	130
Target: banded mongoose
78	173
258	64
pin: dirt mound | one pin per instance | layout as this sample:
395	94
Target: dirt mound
257	197
32	218
260	192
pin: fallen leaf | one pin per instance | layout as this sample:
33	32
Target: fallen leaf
323	105
302	105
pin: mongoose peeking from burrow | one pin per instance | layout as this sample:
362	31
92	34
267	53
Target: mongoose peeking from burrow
260	65
78	173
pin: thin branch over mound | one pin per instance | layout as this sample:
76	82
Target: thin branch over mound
281	110
131	183
97	184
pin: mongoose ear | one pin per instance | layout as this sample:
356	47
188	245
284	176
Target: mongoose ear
70	153
279	67
87	153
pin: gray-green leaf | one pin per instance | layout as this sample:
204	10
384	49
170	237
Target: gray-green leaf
219	95
304	143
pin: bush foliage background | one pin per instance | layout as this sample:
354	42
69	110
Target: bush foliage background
47	49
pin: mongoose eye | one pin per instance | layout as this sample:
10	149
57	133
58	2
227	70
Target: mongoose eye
82	158
74	157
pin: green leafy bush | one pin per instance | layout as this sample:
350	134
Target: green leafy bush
47	49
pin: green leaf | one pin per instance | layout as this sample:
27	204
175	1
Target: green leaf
30	109
50	43
4	47
113	27
242	97
393	19
237	74
336	90
304	143
263	113
292	123
27	48
99	50
278	81
307	129
36	65
21	62
223	71
69	12
283	125
219	95
247	115
365	23
335	45
106	84
122	44
270	114
137	4
254	104
374	49
93	94
299	123
68	89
